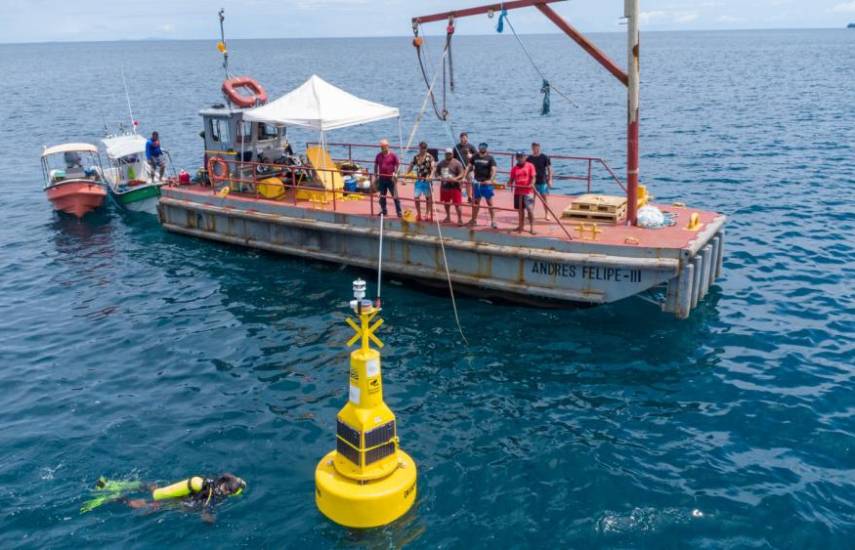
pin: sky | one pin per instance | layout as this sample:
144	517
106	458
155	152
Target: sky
79	20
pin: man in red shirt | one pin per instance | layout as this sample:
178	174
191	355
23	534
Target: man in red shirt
386	176
522	180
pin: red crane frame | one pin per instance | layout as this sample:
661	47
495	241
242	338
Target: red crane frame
630	78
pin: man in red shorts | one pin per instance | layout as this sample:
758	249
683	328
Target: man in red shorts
451	173
522	180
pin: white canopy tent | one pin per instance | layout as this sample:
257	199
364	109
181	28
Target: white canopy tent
319	105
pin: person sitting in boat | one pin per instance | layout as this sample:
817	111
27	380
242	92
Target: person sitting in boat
154	156
72	160
386	176
193	494
451	173
425	166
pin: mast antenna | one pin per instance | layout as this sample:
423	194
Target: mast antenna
222	45
128	99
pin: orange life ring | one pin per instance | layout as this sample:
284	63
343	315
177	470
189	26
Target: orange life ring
215	162
257	92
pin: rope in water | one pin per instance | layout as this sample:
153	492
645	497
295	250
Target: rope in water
449	129
380	261
450	285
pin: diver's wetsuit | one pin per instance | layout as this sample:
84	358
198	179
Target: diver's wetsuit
213	492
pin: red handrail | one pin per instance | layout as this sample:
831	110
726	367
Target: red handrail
238	169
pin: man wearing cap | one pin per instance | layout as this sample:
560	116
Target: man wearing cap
386	175
543	169
522	180
451	174
483	166
425	166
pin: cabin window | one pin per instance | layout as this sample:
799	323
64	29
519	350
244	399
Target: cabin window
220	131
266	131
245	131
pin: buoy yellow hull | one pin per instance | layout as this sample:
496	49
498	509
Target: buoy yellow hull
369	504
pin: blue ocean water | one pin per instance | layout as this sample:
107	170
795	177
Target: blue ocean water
133	353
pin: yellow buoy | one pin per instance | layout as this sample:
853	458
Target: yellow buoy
367	481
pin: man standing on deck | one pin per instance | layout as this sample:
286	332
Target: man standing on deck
483	167
154	156
425	166
543	169
464	151
451	174
522	180
386	176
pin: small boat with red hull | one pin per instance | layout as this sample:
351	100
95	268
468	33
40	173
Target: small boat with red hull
73	182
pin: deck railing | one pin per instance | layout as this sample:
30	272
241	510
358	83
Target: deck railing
244	178
587	163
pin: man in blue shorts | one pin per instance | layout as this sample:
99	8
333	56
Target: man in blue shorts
483	166
543	169
154	156
425	166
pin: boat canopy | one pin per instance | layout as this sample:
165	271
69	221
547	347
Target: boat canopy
69	147
122	146
319	105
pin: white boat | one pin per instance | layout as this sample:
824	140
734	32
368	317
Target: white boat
129	177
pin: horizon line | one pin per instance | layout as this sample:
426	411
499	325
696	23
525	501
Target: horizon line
176	39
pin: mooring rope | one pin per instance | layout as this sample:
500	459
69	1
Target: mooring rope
380	262
450	285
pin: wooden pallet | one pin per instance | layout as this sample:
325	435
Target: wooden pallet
604	208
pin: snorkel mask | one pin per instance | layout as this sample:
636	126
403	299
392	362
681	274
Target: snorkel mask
231	485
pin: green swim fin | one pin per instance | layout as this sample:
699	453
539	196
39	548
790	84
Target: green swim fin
108	490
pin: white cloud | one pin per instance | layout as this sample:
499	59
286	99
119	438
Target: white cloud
667	16
685	17
167	28
729	19
844	7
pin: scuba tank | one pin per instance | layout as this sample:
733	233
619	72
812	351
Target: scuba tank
180	489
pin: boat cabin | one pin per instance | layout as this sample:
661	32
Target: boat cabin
227	135
70	162
126	163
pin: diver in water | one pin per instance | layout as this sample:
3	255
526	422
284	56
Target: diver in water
195	493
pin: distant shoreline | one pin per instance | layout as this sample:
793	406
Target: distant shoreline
213	38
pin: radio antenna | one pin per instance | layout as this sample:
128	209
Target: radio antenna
128	99
222	45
